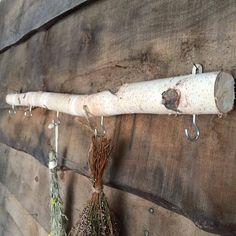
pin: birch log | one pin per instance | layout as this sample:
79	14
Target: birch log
207	93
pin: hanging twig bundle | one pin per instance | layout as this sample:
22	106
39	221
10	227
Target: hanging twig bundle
97	219
58	218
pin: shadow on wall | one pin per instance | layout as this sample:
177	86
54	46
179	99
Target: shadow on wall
233	72
119	210
69	210
234	94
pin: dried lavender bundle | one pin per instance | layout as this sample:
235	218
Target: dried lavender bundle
58	218
97	219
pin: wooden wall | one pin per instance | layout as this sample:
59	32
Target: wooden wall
100	45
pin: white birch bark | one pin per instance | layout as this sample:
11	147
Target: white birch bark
207	93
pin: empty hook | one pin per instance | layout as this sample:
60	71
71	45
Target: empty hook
196	130
28	112
12	111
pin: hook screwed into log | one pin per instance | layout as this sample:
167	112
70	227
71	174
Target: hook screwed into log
196	131
196	69
28	112
12	111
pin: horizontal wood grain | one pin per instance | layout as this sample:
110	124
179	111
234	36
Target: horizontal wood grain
131	41
18	220
7	225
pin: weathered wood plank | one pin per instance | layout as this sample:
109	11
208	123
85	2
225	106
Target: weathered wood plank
21	221
76	191
25	222
21	19
7	225
133	41
21	178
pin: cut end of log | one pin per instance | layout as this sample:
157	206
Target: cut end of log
224	92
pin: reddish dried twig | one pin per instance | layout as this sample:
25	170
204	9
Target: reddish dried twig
97	218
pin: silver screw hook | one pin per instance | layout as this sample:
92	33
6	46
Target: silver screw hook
196	69
57	120
103	126
103	129
54	123
28	112
12	111
197	131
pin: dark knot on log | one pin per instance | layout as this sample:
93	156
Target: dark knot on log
171	98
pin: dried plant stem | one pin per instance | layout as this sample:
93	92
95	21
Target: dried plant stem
58	218
97	219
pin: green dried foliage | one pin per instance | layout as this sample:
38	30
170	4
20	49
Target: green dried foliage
97	219
58	218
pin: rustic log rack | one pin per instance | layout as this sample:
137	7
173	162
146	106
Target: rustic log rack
195	94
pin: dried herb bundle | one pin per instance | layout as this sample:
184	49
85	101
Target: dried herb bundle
97	219
58	218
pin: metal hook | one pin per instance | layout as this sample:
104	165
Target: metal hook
97	132
12	111
197	69
28	112
55	122
197	131
102	131
87	115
